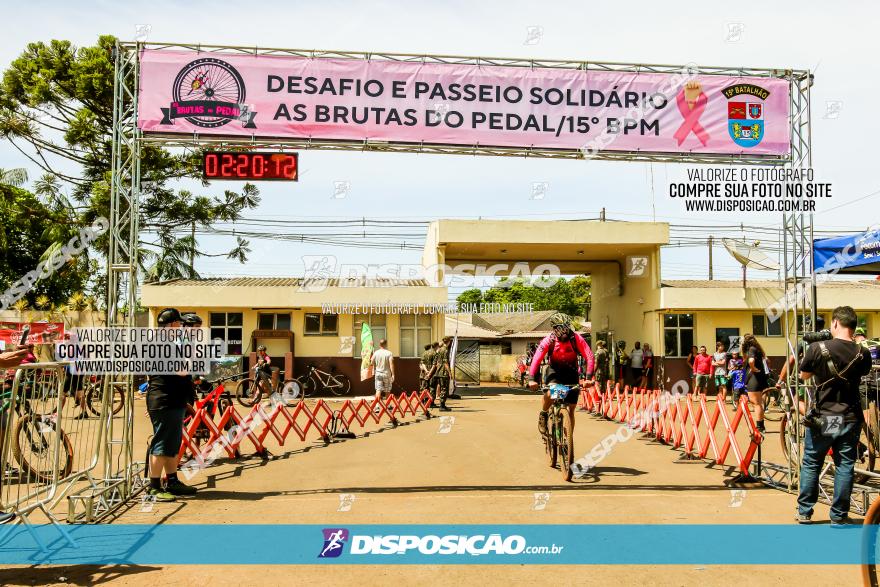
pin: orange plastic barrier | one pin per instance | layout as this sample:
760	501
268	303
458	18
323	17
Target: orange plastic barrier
279	420
675	420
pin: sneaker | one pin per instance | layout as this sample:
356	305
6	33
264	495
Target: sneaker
176	487
542	423
160	495
444	408
804	518
843	522
6	518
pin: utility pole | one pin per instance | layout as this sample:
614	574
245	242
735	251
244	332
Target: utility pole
192	251
710	257
602	215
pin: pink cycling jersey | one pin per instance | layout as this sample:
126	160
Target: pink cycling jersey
564	356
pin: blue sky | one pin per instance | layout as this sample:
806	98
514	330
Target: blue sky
836	41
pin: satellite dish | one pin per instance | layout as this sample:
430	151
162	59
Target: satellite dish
749	255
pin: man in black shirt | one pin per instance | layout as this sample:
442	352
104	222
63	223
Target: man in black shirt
835	421
167	397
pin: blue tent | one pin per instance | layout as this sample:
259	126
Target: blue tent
856	253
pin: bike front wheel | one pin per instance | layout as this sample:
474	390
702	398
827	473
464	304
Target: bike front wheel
248	393
566	444
772	406
34	448
307	385
550	440
95	396
339	385
870	545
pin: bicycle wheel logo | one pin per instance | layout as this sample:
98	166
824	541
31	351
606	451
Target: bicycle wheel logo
209	93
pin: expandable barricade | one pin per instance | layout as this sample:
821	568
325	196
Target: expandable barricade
674	420
227	433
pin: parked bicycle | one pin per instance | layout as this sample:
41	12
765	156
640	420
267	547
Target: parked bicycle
559	440
34	430
315	379
214	398
251	390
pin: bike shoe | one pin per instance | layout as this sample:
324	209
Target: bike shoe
542	423
160	495
178	488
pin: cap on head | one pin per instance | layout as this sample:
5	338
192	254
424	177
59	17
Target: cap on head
860	331
190	319
167	316
262	347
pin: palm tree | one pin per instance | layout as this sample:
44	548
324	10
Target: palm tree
13	177
77	303
21	306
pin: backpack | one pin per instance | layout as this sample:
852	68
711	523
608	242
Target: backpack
574	347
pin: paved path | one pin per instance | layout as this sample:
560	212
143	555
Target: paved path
487	468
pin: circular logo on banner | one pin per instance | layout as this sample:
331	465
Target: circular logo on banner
208	92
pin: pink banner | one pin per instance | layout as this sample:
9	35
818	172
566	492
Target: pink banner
354	100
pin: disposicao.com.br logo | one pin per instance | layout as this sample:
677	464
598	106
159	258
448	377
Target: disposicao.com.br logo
430	544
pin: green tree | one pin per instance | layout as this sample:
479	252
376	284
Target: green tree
470	296
29	229
56	108
569	296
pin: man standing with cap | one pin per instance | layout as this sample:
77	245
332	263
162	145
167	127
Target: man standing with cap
167	396
440	372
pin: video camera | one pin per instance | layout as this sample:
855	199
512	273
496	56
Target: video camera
811	337
821	333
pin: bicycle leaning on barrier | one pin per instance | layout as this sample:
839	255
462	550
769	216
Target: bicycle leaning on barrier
34	411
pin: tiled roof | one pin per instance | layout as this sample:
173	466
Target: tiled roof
763	283
292	282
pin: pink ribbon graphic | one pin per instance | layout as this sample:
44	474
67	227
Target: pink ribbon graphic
691	119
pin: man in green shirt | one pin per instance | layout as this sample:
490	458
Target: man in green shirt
425	364
440	372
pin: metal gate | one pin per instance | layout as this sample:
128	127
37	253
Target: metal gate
467	363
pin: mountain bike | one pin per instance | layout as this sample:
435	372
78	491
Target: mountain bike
94	394
774	404
214	398
33	435
559	440
314	378
250	391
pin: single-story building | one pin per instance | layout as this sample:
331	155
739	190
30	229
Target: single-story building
304	322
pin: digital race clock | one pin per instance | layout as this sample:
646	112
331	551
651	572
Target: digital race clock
250	166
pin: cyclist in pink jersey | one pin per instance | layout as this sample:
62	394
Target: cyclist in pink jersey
562	347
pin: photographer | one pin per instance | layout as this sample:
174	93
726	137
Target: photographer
167	397
834	420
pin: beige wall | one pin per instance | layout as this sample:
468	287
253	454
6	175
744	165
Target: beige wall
706	321
304	345
631	316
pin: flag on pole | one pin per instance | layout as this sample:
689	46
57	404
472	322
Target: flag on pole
366	352
452	351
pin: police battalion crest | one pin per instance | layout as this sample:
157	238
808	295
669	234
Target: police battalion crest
745	113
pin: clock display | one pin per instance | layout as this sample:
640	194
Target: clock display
251	166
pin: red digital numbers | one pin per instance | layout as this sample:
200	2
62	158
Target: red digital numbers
247	166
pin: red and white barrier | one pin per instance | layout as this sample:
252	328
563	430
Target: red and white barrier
279	420
674	420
